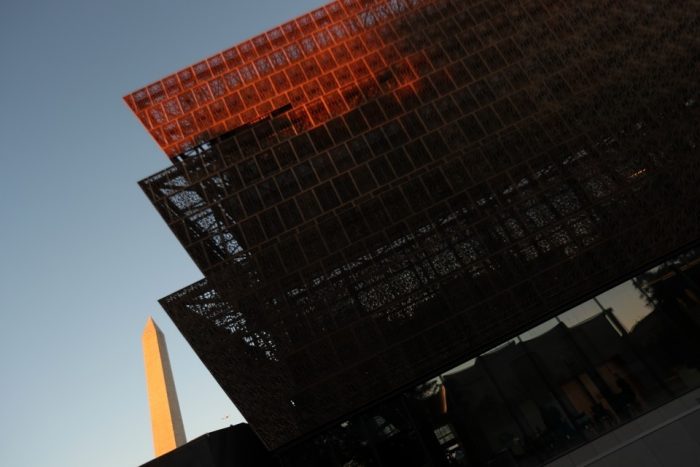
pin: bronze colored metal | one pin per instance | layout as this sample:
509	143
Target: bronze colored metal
449	173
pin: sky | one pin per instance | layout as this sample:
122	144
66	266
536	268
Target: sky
84	257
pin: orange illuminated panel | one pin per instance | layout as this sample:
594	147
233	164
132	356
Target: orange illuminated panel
308	63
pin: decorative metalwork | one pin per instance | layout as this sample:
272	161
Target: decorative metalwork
449	173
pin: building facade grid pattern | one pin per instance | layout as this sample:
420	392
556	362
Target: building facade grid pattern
464	170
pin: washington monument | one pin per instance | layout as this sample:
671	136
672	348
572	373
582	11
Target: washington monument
166	421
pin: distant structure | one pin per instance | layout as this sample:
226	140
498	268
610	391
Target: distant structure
166	421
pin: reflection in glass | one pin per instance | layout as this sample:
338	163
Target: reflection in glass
538	330
628	303
476	409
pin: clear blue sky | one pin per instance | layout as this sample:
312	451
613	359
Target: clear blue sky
83	255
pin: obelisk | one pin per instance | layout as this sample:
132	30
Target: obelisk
166	421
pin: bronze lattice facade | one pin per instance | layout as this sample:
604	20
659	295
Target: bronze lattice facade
390	187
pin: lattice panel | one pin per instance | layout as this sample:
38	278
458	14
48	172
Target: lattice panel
296	63
506	160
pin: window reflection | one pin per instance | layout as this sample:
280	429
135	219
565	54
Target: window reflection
484	423
579	314
628	303
538	330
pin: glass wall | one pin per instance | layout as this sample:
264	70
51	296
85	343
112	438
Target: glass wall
544	392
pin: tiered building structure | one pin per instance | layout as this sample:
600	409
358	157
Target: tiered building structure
380	191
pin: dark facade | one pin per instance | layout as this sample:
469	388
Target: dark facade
380	190
233	446
578	376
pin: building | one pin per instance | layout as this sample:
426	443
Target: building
380	191
233	446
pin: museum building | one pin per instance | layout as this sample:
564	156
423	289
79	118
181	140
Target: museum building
443	232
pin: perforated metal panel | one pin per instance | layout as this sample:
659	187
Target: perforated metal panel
456	171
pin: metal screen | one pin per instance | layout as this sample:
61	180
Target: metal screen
430	181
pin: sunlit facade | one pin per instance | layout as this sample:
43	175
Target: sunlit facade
379	191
